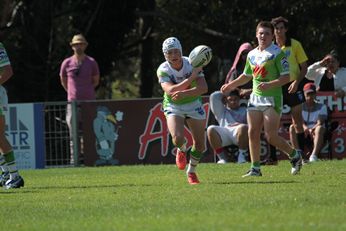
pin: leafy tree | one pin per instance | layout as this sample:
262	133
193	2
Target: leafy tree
42	31
125	38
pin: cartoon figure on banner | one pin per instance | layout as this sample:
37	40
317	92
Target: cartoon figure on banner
106	132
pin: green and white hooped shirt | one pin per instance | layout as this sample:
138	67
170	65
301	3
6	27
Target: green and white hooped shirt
166	73
4	60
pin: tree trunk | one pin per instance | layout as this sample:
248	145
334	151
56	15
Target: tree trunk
147	69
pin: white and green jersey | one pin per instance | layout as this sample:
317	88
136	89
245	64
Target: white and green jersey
265	66
4	60
167	74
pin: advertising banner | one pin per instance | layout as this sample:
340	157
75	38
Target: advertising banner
135	132
25	131
335	147
128	132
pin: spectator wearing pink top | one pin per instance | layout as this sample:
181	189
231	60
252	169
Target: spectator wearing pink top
79	75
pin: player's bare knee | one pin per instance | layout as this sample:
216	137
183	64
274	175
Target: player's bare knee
243	129
211	129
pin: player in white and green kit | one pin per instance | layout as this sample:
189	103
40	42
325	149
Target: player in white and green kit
9	177
268	68
183	86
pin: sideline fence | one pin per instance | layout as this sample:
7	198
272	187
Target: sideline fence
57	138
57	141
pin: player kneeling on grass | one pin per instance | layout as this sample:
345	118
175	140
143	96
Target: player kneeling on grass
268	68
183	86
232	127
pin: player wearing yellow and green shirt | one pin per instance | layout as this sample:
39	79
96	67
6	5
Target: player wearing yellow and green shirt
293	94
268	68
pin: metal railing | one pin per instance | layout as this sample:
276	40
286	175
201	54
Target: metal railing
57	140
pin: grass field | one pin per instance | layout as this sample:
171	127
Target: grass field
157	197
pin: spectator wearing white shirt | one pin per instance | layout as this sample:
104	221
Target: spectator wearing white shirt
314	115
328	75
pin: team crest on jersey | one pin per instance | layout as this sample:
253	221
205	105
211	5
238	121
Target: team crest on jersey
179	79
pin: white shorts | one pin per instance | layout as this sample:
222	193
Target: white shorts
262	103
193	110
227	134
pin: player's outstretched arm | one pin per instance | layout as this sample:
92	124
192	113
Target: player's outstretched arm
241	80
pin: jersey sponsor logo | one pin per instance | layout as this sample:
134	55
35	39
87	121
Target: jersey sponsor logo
187	75
178	79
3	56
171	77
200	110
284	64
260	71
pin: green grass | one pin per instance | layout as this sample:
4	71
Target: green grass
157	197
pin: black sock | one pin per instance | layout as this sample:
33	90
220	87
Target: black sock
272	150
301	143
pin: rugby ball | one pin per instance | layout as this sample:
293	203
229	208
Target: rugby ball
200	56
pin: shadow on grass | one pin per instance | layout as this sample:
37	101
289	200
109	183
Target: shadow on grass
16	191
257	182
50	187
40	188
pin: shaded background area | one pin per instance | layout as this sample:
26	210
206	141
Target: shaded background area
125	38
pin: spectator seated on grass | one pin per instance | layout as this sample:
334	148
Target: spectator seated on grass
232	129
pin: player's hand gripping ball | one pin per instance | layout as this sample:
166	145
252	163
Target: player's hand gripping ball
200	56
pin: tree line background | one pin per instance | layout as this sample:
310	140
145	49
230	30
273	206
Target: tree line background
125	38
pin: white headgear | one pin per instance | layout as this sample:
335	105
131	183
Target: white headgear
171	43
